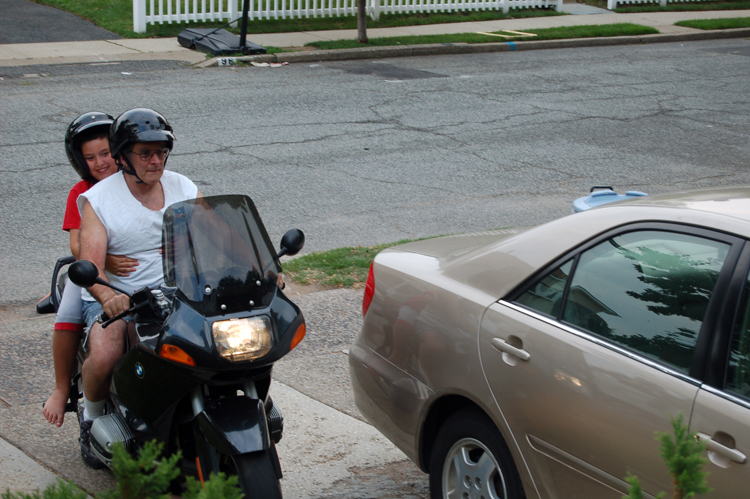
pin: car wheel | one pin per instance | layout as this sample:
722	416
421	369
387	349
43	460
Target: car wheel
471	460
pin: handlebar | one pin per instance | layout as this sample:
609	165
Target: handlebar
105	320
150	302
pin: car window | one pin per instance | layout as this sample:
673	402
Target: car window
738	369
647	290
546	295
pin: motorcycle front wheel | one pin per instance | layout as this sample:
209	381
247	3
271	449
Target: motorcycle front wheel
256	474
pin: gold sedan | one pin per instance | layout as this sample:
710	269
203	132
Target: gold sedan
540	363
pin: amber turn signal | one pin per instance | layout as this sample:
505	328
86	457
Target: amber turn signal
298	335
176	354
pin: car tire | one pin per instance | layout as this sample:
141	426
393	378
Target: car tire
470	459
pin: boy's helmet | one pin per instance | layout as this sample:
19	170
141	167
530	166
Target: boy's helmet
139	125
85	126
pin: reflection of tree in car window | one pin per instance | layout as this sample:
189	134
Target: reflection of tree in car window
646	290
677	284
738	369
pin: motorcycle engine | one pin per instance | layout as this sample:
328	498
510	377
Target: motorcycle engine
105	432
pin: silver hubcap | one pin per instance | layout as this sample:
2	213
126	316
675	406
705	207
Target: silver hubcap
471	471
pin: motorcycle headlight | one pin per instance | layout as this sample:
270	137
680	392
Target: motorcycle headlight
242	339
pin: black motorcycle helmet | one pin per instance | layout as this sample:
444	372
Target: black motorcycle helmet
83	128
137	125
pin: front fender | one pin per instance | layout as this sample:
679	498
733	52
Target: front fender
234	425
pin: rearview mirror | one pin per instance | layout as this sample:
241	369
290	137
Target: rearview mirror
83	273
292	242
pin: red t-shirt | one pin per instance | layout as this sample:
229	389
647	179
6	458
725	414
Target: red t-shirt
72	215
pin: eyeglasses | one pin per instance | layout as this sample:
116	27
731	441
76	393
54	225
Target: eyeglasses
145	155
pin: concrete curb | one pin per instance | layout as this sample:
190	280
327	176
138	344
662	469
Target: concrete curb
466	48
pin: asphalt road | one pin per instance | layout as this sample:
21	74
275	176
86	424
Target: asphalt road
365	152
359	153
23	21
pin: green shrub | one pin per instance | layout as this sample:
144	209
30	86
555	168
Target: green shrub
218	486
145	477
683	457
61	490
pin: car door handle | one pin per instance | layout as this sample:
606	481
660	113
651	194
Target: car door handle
506	347
714	446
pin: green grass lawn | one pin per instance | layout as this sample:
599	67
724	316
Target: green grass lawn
338	268
677	6
622	29
117	16
729	23
674	6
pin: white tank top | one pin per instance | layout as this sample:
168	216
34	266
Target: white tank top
132	229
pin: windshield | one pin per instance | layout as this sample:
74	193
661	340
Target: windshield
218	254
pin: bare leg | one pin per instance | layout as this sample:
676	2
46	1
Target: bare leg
106	346
64	349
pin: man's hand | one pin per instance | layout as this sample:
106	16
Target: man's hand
120	265
116	305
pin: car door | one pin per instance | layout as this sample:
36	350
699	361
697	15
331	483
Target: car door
721	416
594	355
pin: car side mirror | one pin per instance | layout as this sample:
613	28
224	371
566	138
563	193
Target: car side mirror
83	273
292	242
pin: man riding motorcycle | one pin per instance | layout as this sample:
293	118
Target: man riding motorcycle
123	215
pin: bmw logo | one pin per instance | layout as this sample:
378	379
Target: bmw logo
139	369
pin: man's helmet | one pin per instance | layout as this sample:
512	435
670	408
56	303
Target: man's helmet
139	125
81	129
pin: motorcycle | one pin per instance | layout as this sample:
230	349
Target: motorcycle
197	369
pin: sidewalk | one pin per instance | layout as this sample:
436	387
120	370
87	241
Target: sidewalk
312	431
102	51
20	473
326	446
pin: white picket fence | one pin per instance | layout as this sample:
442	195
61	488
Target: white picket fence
169	11
611	4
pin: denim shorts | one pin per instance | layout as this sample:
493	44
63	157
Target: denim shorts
91	311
